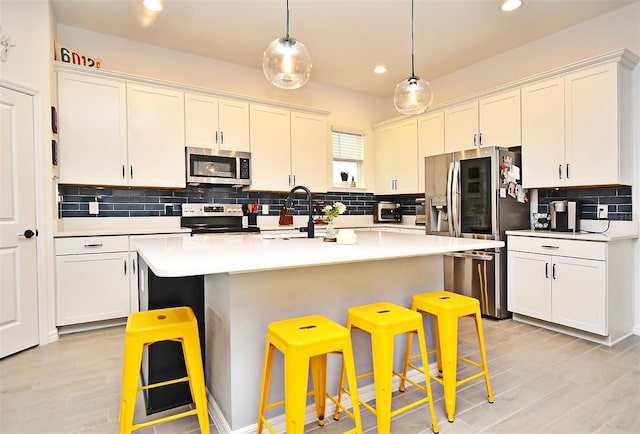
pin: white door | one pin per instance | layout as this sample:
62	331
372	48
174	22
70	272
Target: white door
18	284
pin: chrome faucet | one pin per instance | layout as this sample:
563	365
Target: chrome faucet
289	206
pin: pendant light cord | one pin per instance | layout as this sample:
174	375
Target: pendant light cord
413	74
287	36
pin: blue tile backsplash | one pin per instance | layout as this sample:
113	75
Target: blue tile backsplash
618	200
153	202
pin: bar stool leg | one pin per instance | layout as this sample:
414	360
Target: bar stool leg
319	377
130	378
348	363
483	355
382	344
425	366
407	358
296	367
193	362
448	333
266	381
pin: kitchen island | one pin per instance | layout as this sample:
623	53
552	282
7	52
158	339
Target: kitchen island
252	280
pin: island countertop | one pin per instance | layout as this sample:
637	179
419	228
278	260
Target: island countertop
211	254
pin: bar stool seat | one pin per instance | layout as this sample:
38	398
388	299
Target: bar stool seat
144	329
305	342
446	308
383	321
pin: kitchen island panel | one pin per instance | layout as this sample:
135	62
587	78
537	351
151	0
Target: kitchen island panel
240	306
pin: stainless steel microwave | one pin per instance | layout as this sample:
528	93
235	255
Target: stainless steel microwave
218	167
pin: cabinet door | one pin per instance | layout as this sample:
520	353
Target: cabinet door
309	151
92	287
461	127
500	120
270	149
543	134
592	153
529	284
156	136
201	121
234	125
579	294
406	157
430	141
385	160
92	128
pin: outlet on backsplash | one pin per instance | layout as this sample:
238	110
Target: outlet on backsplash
603	212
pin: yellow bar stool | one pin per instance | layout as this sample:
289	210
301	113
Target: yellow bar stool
383	321
305	342
145	328
446	308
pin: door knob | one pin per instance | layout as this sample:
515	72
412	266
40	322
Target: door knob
28	234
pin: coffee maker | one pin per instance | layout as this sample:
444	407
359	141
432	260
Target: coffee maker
564	216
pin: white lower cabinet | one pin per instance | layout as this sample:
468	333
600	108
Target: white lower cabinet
570	283
92	279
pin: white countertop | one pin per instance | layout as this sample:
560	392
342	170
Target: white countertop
584	236
211	254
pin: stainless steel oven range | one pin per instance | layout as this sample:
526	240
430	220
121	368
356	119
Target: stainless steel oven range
213	218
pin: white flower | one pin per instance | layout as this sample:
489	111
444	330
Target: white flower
332	211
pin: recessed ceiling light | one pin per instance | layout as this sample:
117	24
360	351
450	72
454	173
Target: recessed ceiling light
153	5
510	5
380	69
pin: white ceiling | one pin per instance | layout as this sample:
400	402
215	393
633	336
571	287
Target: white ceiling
346	38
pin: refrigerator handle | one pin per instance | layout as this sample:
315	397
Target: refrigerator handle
455	198
450	200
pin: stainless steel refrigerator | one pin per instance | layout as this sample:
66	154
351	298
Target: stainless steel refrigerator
476	194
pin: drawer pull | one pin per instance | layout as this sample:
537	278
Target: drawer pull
93	245
548	246
546	270
553	272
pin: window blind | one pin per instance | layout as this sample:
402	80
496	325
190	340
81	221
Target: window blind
347	146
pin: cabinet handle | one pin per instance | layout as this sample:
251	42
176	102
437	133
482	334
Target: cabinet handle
567	170
134	265
479	139
560	171
216	137
294	180
221	137
548	246
474	140
131	171
88	246
125	267
546	270
553	271
289	181
123	171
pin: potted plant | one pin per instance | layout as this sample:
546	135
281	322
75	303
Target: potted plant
345	177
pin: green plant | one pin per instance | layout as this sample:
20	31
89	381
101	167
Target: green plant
344	176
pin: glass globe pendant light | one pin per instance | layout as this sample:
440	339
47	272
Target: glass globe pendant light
413	95
286	62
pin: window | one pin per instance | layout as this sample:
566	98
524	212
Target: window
348	155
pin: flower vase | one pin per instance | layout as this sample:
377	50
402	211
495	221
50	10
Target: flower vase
331	232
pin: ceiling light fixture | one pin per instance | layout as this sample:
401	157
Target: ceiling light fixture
413	96
286	62
510	5
153	5
380	69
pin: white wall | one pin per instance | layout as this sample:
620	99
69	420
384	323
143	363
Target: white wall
348	109
28	66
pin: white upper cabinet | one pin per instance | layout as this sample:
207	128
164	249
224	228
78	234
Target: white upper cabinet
490	121
461	127
543	134
92	130
396	148
309	151
288	148
155	119
577	129
216	123
430	141
598	135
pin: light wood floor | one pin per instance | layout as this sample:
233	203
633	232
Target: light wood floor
543	382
